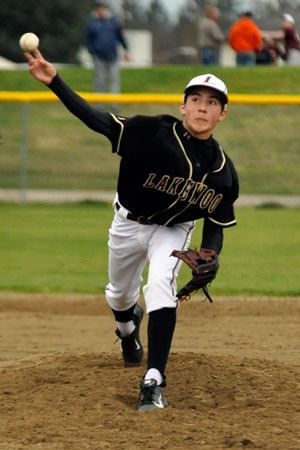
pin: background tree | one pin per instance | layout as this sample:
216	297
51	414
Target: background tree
186	26
268	14
59	24
229	10
158	22
134	14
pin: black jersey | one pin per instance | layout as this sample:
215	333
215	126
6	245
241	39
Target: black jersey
166	175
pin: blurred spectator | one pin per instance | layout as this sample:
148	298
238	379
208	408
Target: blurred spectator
210	36
245	38
271	51
103	35
290	38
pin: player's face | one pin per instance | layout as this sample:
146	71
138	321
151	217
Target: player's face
201	113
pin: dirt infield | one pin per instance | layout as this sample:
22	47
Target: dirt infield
233	377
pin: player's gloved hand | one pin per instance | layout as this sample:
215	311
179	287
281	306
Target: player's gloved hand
204	264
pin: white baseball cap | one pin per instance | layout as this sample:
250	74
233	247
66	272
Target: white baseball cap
210	81
288	18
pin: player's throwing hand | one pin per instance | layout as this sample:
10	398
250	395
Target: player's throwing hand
39	68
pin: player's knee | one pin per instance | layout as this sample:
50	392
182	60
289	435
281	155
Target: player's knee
121	297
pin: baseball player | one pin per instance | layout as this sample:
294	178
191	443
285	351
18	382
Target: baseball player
172	172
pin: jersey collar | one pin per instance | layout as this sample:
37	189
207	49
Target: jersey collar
220	160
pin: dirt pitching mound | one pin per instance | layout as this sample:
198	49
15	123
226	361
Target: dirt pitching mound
66	401
233	377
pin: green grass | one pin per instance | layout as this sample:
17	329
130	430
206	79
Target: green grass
262	254
53	248
63	248
171	79
263	141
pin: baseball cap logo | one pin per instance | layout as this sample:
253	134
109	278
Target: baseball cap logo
209	80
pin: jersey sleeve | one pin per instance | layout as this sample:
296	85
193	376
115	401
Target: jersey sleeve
224	215
101	122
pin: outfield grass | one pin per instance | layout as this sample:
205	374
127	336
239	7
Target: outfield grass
171	79
63	248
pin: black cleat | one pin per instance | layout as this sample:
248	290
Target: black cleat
132	348
151	396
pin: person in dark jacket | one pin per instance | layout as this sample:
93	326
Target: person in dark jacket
103	36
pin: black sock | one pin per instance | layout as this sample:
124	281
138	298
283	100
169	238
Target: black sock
161	326
124	316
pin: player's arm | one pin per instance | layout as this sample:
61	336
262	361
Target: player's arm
46	73
212	236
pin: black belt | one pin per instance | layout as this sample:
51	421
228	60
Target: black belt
140	219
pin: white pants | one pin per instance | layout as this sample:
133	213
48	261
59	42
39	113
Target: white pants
131	246
294	57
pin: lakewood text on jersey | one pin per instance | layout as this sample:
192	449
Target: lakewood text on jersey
195	192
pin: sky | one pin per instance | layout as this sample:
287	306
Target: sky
171	6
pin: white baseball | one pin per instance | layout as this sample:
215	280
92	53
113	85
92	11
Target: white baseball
29	42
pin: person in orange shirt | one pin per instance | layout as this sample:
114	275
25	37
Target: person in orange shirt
245	38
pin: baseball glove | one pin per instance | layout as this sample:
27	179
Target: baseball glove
204	264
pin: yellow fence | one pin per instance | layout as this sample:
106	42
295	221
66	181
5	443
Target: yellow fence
246	99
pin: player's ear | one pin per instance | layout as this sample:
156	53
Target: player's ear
182	108
223	114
